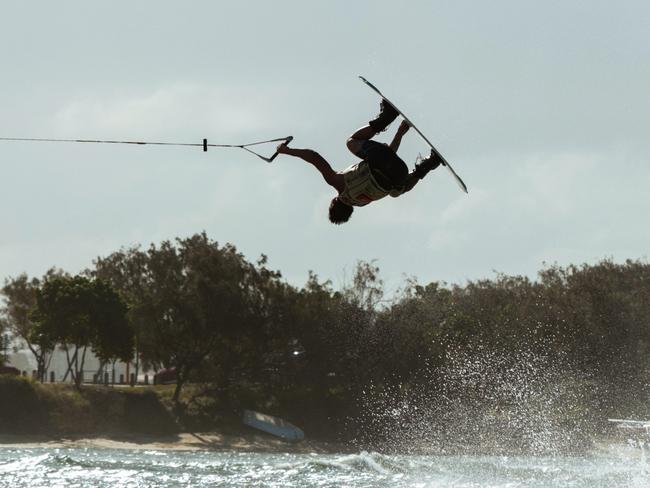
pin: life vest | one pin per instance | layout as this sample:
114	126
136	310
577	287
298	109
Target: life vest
361	187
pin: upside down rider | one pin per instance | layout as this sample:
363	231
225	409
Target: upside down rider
380	172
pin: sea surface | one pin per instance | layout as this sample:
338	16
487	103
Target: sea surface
621	466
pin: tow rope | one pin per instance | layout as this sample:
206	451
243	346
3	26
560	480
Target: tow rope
204	144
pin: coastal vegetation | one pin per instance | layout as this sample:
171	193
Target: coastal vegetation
30	408
525	359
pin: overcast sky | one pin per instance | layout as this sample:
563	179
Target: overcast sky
542	107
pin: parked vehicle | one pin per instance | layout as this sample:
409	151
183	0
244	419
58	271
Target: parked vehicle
10	370
165	376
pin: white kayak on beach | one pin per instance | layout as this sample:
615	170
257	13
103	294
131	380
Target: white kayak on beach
272	425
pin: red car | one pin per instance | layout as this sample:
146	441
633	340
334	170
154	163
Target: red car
9	370
165	376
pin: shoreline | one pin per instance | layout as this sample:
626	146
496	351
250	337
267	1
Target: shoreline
186	441
251	443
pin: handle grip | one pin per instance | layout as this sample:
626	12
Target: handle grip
287	140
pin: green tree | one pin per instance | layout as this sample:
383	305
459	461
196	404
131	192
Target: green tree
78	313
20	300
126	271
190	304
113	338
4	339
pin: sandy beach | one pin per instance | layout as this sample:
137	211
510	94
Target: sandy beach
180	442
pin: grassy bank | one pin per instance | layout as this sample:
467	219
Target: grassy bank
30	408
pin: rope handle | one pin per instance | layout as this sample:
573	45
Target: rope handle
287	140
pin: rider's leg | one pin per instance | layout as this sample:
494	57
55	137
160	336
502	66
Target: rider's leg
424	166
386	115
357	139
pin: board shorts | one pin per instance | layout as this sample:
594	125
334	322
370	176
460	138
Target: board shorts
386	166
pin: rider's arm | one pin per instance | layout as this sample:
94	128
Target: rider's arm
331	177
401	130
411	181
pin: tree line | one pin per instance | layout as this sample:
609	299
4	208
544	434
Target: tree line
317	355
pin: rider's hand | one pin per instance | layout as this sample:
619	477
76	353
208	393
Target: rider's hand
282	148
403	127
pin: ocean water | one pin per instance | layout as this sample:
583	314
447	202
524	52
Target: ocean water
78	467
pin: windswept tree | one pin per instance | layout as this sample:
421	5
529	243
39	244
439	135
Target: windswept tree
79	313
268	352
113	338
604	312
20	300
328	331
366	290
126	271
190	303
3	342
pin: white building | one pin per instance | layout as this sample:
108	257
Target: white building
21	358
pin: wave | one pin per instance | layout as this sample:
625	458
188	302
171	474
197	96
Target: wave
23	464
107	468
364	462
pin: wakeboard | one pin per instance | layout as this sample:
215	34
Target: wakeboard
458	179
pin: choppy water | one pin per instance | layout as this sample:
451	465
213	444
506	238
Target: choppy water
20	467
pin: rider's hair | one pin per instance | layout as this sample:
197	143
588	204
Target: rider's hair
339	211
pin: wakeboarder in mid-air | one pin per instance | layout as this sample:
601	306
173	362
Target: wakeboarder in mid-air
380	172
